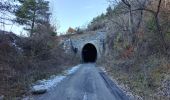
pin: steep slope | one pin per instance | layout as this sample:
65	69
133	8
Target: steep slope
137	59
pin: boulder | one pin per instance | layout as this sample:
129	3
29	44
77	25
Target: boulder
38	91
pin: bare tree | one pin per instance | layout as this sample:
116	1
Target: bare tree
133	6
134	18
131	22
155	14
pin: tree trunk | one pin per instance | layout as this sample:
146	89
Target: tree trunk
33	24
131	21
162	38
159	30
131	24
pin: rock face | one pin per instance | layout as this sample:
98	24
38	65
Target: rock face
75	44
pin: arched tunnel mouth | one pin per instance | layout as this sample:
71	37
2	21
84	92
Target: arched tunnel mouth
89	53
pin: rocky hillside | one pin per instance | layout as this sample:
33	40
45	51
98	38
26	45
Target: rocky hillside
138	46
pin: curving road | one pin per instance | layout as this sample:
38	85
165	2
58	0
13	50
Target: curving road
88	83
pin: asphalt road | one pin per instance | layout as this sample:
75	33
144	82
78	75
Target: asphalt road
88	83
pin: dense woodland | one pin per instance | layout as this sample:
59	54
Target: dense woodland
137	49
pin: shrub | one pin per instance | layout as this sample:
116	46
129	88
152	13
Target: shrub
41	57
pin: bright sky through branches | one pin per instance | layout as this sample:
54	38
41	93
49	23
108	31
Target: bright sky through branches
71	13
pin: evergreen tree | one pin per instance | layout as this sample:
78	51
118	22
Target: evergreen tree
32	13
109	11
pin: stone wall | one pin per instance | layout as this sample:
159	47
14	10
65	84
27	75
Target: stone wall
75	44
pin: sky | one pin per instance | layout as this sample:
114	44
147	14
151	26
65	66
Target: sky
70	13
76	13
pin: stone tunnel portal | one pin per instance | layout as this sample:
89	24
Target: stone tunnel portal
89	53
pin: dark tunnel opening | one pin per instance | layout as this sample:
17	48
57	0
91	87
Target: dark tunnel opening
89	53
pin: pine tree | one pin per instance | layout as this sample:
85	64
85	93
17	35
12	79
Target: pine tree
31	13
109	11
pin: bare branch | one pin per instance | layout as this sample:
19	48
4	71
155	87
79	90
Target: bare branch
7	19
158	8
126	3
5	23
145	9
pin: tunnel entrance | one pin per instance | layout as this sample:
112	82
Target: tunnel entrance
89	53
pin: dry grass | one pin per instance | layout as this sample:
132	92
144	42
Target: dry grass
40	58
145	78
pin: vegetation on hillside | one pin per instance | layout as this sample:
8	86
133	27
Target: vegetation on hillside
24	60
138	45
137	50
32	13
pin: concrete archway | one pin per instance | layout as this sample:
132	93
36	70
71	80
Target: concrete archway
89	53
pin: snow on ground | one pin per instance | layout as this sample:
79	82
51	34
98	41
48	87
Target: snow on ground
53	81
72	70
46	84
16	46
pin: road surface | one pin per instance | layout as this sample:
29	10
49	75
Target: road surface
87	83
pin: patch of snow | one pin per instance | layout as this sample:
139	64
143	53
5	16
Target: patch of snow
72	70
85	96
46	84
103	69
16	46
53	81
27	98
